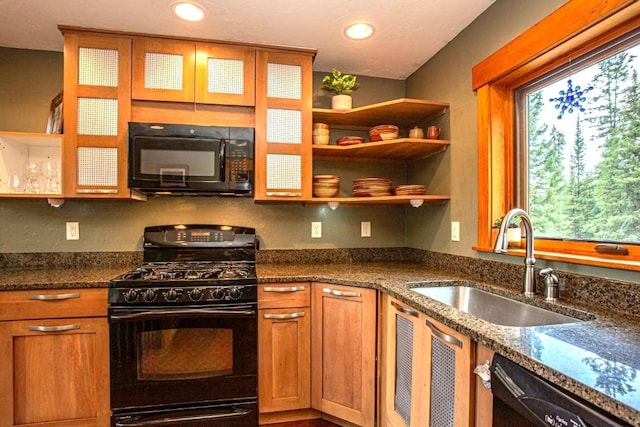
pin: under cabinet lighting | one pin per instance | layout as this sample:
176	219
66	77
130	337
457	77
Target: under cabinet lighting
333	205
359	31
189	11
416	203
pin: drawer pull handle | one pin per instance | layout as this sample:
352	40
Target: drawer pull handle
341	293
404	310
284	289
54	328
283	194
284	316
53	297
448	338
96	191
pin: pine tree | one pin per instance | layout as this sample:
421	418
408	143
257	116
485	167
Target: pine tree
580	203
547	185
618	126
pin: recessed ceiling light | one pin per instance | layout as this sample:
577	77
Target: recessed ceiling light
359	31
189	11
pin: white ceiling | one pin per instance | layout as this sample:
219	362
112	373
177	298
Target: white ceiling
408	32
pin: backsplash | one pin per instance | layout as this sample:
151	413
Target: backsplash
601	293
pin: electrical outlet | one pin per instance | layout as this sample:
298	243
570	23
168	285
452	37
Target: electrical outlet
455	231
365	229
316	230
73	231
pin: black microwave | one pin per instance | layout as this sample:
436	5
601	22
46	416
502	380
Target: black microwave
172	159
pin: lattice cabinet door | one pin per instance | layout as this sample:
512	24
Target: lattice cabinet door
403	378
283	126
448	369
225	75
163	70
97	108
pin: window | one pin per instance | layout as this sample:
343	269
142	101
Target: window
513	86
578	147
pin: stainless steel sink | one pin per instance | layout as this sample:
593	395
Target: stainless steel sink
493	308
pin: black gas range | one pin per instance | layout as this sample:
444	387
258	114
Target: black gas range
183	330
191	264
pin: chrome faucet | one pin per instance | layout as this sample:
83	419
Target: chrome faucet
529	285
551	289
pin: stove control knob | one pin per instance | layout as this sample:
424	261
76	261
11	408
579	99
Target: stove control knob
196	294
172	295
217	293
235	293
130	296
149	295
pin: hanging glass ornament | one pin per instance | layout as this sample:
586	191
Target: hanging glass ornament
570	99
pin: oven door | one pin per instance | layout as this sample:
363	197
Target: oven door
185	355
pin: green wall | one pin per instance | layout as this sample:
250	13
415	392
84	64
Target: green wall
29	79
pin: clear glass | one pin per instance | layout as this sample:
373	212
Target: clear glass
580	164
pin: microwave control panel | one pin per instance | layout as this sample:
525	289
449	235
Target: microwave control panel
240	160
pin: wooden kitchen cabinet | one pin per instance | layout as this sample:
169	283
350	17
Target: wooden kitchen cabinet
283	126
184	71
403	381
54	358
343	359
284	340
17	149
97	109
426	371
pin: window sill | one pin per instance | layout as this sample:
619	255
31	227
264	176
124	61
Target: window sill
617	263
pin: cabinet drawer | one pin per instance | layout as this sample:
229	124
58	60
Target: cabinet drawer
284	295
53	303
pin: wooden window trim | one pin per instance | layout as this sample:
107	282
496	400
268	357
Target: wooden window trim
574	29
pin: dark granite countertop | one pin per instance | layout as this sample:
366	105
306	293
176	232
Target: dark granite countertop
595	359
62	278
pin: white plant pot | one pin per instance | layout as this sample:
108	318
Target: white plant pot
341	102
513	237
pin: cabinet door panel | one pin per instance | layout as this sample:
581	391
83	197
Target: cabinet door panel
283	126
344	352
284	371
225	75
163	70
97	88
54	372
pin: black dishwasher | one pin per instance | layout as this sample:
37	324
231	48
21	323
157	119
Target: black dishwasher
540	402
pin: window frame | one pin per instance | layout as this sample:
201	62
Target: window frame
573	30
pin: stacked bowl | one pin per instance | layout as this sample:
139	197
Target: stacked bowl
383	132
326	185
320	133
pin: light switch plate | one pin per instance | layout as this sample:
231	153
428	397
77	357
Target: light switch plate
455	231
365	229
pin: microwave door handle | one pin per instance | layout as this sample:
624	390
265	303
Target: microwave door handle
222	160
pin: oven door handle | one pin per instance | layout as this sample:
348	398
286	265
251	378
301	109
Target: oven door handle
182	311
136	422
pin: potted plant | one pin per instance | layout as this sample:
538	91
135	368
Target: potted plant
514	232
341	86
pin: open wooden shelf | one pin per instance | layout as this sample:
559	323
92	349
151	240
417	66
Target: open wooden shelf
383	200
404	113
389	151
